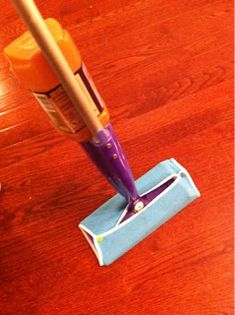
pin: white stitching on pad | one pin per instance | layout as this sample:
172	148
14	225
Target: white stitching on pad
95	247
183	170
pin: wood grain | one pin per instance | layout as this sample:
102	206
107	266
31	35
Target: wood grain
165	70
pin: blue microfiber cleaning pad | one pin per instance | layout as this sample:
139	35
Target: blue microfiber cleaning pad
110	240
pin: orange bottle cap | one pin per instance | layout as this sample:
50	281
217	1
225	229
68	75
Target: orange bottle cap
29	64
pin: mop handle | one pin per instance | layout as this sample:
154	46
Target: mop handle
35	23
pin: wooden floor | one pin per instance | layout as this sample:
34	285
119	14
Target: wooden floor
165	70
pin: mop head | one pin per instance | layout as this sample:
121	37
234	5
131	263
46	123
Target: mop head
110	236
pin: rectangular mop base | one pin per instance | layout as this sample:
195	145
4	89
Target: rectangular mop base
110	239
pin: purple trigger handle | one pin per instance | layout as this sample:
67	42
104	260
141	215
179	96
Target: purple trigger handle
108	156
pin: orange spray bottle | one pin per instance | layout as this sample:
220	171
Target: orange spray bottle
34	72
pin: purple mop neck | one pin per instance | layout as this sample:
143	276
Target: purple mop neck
108	156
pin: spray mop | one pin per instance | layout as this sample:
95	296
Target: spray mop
48	63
